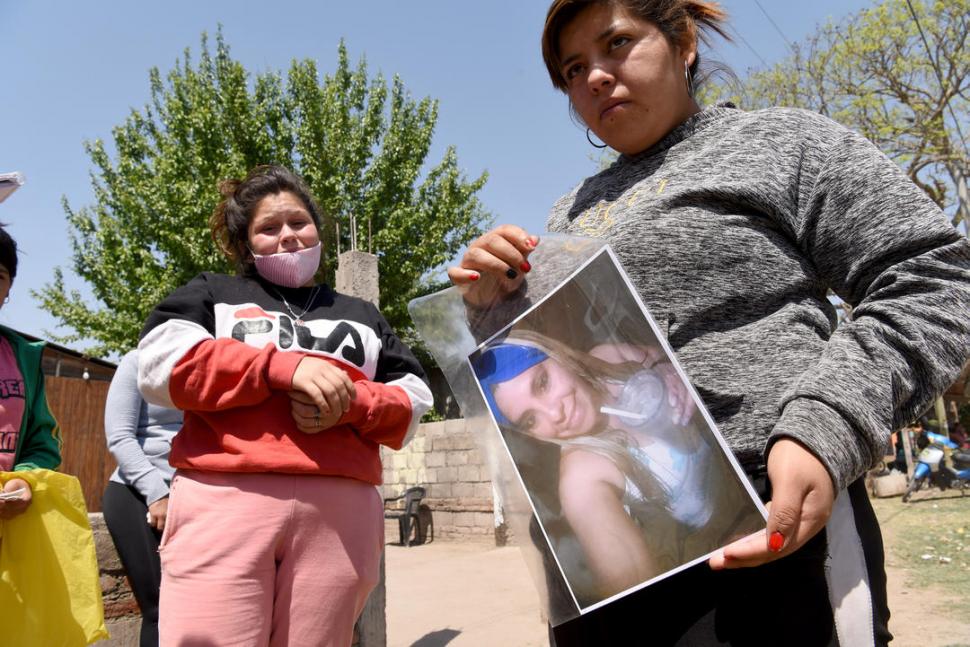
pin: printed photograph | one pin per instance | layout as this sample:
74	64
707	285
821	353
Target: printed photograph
627	475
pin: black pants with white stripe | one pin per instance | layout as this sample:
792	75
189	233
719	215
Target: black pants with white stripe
831	592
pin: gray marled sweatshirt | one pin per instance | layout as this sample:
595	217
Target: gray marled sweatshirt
139	434
733	227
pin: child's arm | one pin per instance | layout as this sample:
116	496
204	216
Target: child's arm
42	441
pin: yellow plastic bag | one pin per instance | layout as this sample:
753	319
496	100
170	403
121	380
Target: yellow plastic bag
50	593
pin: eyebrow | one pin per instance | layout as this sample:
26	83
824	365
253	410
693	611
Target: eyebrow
289	211
284	212
603	34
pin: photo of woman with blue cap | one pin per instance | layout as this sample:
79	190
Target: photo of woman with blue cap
641	483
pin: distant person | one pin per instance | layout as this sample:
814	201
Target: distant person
919	431
29	437
899	447
135	501
275	527
958	434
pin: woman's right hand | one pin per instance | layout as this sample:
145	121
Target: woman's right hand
495	264
158	513
319	384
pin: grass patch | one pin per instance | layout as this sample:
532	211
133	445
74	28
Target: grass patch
930	538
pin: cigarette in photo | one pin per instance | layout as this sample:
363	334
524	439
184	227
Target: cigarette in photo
623	414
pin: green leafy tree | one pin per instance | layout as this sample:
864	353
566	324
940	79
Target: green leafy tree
874	72
360	144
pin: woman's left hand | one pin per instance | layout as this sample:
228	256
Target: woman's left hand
801	503
10	508
308	417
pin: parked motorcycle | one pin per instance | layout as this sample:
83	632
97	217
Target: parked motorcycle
942	464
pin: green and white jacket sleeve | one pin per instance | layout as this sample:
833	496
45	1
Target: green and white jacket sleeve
39	443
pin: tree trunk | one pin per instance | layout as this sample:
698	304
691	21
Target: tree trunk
958	173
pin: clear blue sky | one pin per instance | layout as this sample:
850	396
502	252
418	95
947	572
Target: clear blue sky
73	70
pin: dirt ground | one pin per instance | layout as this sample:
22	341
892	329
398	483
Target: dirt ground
925	614
476	595
461	595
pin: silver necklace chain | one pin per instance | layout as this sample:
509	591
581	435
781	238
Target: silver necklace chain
298	318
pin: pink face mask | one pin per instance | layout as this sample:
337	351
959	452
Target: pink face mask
289	269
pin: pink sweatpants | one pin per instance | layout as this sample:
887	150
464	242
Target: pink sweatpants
251	560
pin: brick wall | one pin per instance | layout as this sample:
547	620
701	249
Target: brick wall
444	458
121	613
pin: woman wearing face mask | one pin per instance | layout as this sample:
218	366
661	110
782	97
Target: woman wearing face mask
733	225
635	474
274	529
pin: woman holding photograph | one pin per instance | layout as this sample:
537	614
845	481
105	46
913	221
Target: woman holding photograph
635	476
733	226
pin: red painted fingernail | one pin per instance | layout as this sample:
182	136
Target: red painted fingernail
524	266
530	243
474	276
776	542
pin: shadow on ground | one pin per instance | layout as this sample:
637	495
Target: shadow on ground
438	638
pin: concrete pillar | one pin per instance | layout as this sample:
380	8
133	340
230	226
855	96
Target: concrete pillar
357	276
371	629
